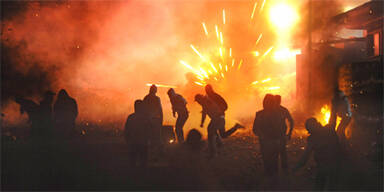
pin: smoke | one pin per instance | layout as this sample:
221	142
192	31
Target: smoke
105	52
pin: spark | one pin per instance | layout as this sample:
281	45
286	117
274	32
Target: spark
255	82
213	67
160	85
204	72
217	31
221	52
273	88
241	62
230	52
258	39
233	62
222	74
254	9
221	37
256	53
209	71
216	78
262	6
266	80
221	67
187	65
223	16
226	67
198	83
205	29
197	52
267	52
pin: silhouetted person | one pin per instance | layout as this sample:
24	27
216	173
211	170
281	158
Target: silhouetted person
32	110
324	144
137	130
65	113
284	115
193	141
268	128
155	113
216	127
179	106
46	115
343	110
219	100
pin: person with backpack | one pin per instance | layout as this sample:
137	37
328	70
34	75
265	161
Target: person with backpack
216	127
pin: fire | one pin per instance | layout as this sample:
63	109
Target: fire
283	16
160	85
325	114
171	141
285	53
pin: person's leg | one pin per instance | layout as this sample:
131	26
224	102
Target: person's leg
212	134
283	155
320	179
180	122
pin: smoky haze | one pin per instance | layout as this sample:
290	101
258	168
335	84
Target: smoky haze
105	52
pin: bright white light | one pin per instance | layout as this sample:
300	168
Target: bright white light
283	16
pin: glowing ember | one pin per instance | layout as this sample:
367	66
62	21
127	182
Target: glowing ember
205	29
171	141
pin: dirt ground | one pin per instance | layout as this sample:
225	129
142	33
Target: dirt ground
100	163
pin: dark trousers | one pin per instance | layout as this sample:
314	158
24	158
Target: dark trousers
180	122
283	155
216	131
270	149
327	176
138	155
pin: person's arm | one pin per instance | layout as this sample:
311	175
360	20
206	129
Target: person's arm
160	110
291	124
304	158
173	106
203	116
256	126
333	117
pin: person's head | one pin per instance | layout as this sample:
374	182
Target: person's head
199	98
194	139
171	92
153	89
268	101
62	94
311	124
278	99
209	89
138	106
48	96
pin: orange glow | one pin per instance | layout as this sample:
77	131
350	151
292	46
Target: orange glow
283	16
325	114
160	85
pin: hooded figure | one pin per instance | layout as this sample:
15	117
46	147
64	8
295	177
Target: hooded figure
136	134
152	105
65	114
268	128
179	106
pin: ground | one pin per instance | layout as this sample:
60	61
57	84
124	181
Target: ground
100	163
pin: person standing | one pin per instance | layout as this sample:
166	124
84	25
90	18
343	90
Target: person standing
284	115
65	112
152	105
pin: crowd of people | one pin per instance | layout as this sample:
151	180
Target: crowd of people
143	128
47	121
